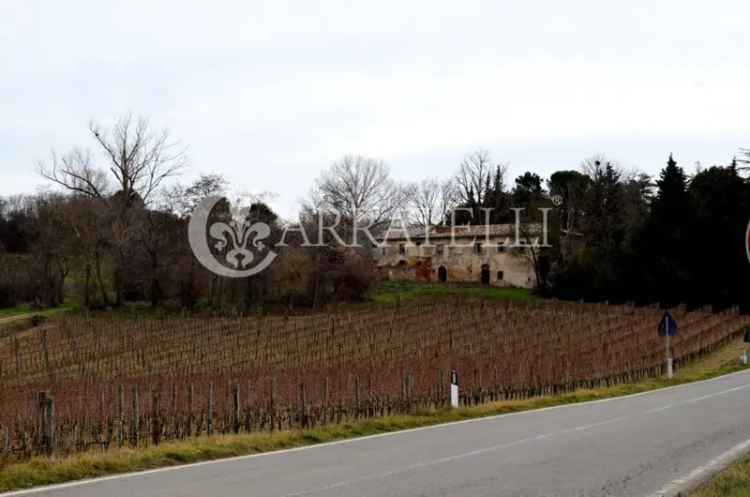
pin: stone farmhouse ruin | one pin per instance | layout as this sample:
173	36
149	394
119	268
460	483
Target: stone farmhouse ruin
489	254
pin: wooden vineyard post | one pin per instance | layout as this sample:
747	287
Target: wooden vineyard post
6	441
325	401
135	423
408	389
17	353
210	413
356	397
101	424
45	352
302	404
191	396
236	411
404	386
47	422
439	388
273	404
477	393
175	412
155	416
120	415
370	400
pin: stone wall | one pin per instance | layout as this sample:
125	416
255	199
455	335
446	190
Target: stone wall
507	266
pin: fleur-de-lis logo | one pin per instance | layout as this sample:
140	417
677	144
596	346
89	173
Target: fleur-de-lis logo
237	235
236	240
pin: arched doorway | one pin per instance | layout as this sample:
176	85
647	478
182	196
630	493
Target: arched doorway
485	274
442	274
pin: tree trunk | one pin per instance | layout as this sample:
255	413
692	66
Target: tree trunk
87	286
100	280
155	287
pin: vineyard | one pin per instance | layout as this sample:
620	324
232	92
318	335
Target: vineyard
77	383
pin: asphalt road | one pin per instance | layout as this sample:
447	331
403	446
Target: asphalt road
645	445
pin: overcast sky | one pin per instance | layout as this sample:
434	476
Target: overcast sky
270	93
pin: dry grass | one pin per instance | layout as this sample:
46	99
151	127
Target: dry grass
732	482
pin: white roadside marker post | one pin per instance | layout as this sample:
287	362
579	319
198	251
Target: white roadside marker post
454	389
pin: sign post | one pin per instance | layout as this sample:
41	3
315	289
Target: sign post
668	329
743	357
454	388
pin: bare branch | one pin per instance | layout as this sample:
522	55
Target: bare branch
361	190
139	160
431	200
74	171
474	176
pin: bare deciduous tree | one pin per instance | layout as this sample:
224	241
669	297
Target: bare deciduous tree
431	200
745	161
360	189
475	176
182	200
448	200
138	160
593	165
75	172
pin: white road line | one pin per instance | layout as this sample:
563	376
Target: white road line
91	481
456	457
506	445
697	399
660	409
699	475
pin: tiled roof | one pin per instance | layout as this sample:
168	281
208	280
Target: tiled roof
478	231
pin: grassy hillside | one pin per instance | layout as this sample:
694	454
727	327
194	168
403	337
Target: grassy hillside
22	310
390	292
14	311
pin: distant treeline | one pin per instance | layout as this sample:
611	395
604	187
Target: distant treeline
97	253
681	239
623	236
118	230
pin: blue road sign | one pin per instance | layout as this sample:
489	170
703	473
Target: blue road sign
747	335
667	325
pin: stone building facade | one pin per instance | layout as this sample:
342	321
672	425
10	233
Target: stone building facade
489	255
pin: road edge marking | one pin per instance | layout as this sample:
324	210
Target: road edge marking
703	473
